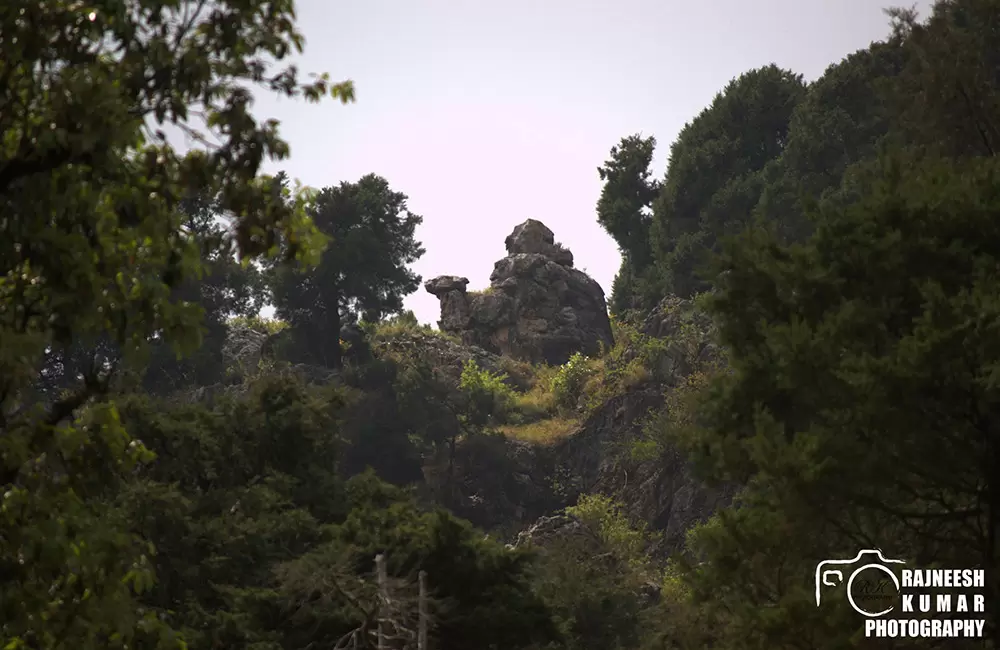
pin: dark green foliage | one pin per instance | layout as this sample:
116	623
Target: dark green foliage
859	407
593	581
948	98
238	486
223	289
364	272
861	403
385	435
482	595
711	179
624	211
401	415
843	119
769	145
92	249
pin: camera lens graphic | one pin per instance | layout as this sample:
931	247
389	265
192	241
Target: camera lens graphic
850	591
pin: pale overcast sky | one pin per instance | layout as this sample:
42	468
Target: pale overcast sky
488	113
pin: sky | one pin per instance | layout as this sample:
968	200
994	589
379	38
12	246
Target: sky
489	113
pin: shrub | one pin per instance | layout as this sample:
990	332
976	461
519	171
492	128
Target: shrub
480	292
568	383
489	400
605	516
677	419
536	404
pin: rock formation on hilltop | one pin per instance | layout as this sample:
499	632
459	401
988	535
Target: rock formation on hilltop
538	308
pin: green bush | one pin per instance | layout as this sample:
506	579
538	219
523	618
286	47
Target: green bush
603	515
489	401
568	383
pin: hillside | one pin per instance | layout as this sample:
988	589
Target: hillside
795	363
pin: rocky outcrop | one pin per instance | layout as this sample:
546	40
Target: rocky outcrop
517	487
550	531
510	486
661	490
538	308
448	358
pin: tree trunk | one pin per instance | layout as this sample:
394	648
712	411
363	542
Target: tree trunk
383	599
325	337
422	609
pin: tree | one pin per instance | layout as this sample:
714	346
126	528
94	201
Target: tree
624	211
224	288
860	408
486	598
712	181
363	272
240	485
92	246
593	578
948	96
843	119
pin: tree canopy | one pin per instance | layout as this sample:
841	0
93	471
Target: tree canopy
93	247
364	271
858	315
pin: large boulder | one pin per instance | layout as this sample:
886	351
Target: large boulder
538	308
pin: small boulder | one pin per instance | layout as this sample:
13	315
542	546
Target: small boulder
444	284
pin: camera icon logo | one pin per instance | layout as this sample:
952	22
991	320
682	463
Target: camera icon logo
828	570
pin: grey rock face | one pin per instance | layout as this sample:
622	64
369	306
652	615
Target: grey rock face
533	236
445	284
558	527
538	308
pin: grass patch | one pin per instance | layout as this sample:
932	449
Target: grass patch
537	404
481	292
541	432
402	325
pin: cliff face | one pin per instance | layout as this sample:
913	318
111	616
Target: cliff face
538	308
659	489
511	486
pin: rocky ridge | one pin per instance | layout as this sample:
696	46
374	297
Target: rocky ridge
508	485
526	484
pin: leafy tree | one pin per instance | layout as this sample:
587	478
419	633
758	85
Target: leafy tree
860	405
843	119
713	179
239	486
392	422
484	595
948	96
92	247
363	272
624	211
224	289
593	580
